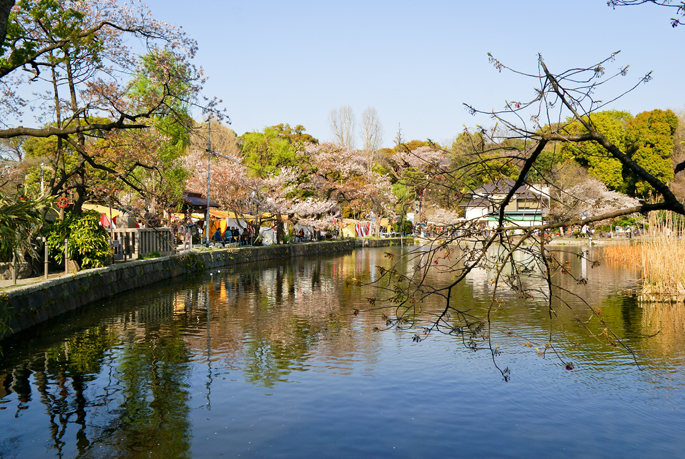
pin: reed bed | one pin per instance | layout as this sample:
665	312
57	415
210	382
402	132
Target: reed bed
623	254
661	256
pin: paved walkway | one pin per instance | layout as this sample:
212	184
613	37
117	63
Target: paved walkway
7	283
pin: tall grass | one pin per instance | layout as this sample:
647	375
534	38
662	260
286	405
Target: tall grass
623	254
661	256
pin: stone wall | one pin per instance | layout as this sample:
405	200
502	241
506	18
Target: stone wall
384	242
29	305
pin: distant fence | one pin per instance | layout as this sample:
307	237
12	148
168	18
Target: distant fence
134	242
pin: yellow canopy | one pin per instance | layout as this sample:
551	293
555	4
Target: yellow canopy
224	214
102	209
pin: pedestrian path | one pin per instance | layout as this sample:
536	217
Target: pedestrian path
7	283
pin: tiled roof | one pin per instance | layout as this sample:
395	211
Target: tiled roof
502	186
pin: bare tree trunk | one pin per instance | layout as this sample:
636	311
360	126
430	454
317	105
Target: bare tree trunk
372	133
60	145
280	233
342	123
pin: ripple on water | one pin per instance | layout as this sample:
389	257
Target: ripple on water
271	361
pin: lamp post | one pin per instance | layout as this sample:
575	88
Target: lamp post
342	225
208	119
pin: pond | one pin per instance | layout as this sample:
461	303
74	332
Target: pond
271	361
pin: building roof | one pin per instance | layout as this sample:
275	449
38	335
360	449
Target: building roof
502	186
482	196
476	202
197	200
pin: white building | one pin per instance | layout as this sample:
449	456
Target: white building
528	206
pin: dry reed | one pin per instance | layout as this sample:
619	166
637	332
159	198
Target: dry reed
623	254
663	256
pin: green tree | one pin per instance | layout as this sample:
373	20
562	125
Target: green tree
649	137
295	135
267	151
411	145
595	158
477	159
152	158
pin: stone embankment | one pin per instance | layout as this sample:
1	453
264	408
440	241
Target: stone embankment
385	242
29	305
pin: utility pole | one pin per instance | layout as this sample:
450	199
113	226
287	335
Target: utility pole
209	162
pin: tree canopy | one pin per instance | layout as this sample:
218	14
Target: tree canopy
75	51
646	138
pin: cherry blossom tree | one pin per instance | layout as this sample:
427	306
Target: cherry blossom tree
416	175
328	177
423	159
261	199
446	217
343	175
590	198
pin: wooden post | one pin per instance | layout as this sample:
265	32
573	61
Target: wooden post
66	256
111	222
45	274
14	268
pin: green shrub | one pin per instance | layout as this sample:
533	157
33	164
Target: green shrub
20	221
630	221
88	241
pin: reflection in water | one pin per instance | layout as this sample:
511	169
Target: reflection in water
667	323
140	361
158	372
111	388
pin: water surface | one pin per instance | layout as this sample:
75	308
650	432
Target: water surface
270	360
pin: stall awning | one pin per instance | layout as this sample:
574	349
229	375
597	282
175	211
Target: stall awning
224	214
101	209
197	200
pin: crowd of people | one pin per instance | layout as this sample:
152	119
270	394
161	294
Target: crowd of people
232	235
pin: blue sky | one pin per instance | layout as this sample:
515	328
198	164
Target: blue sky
416	62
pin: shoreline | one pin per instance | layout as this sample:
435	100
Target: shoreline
37	300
